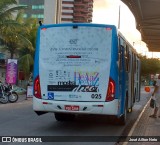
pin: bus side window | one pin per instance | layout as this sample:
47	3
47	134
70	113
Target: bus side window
130	60
135	64
120	57
127	58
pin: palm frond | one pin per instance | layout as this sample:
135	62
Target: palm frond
26	42
19	17
25	62
6	13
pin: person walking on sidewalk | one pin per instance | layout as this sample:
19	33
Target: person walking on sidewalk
156	94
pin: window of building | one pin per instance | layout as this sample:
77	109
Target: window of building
40	16
65	13
67	2
37	16
67	8
35	7
78	0
67	19
23	5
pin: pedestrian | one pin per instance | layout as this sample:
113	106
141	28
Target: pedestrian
156	94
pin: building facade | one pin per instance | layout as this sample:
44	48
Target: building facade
59	11
77	11
35	8
52	11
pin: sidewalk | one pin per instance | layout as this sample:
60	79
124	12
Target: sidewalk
22	97
146	126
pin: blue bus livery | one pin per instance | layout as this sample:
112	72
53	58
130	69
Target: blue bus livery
85	69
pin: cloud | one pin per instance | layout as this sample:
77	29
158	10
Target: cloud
105	11
102	4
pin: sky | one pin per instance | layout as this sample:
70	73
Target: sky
107	12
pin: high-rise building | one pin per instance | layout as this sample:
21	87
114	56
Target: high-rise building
35	8
52	11
77	11
59	11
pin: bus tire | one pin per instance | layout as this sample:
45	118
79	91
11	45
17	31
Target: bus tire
64	117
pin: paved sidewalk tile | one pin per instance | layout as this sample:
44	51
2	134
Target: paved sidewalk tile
147	127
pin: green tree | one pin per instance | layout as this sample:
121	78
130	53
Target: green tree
14	36
18	36
26	64
30	26
9	26
26	53
7	9
149	65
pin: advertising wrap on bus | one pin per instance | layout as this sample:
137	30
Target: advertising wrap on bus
82	68
75	63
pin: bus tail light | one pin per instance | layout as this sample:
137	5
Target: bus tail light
111	90
37	88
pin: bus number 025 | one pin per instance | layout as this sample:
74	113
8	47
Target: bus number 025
96	96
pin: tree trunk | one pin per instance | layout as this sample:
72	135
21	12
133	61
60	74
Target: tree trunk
12	54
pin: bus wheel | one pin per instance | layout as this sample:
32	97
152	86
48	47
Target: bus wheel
64	117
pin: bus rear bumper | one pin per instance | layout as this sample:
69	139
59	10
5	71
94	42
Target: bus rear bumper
103	108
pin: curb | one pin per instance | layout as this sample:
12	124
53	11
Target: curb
137	121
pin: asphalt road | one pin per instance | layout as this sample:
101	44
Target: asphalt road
18	119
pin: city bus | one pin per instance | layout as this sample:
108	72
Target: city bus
85	68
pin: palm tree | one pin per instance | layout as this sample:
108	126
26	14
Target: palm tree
27	53
14	36
20	39
17	35
7	7
26	65
8	25
30	26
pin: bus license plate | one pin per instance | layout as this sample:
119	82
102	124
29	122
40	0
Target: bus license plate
71	108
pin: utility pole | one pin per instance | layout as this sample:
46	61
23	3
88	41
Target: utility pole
119	17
